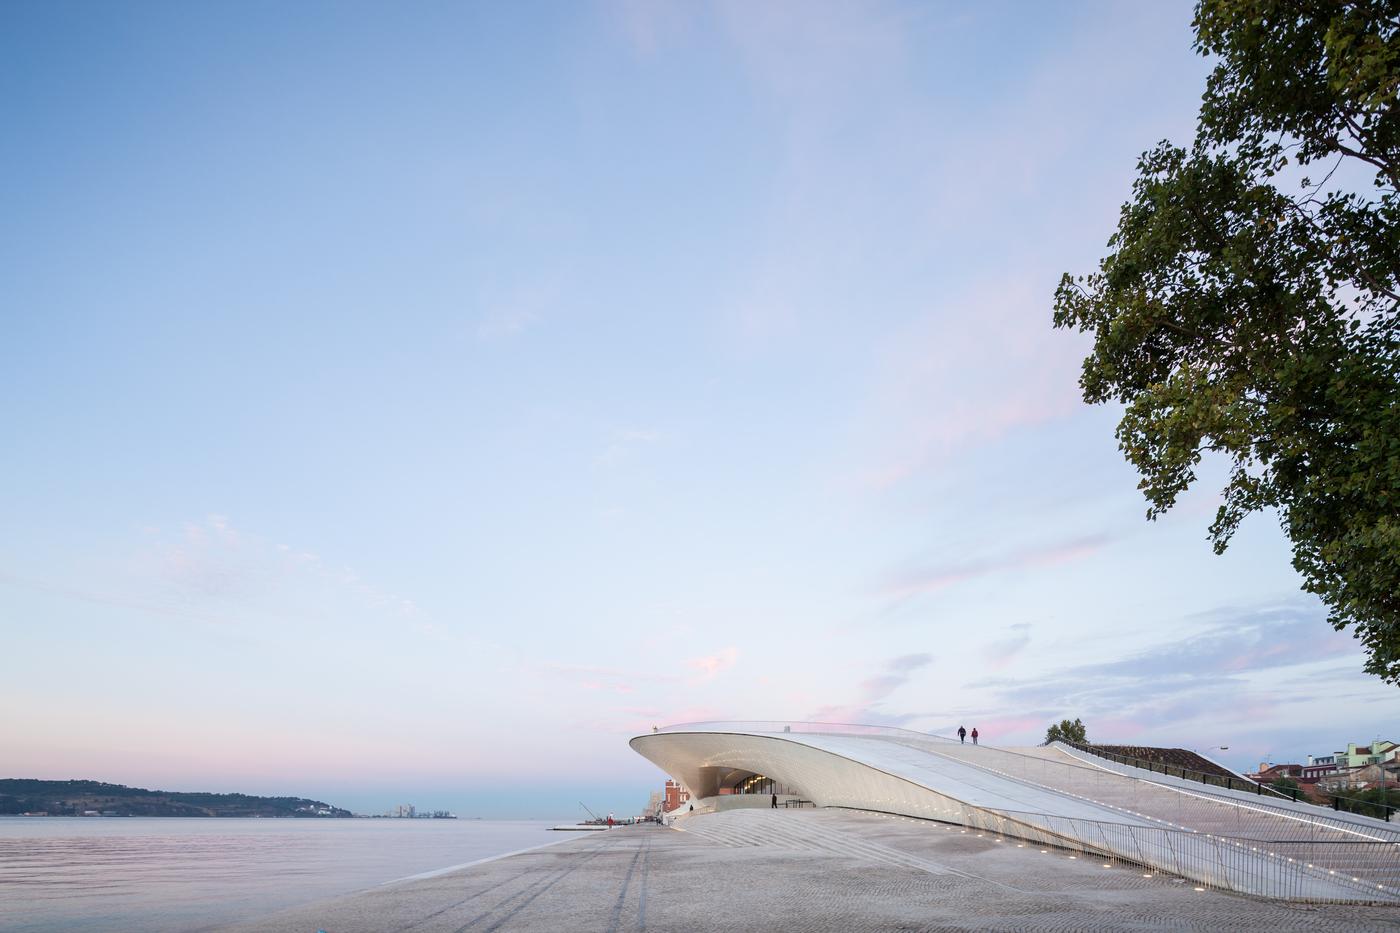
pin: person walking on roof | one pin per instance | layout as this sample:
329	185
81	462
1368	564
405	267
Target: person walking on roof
974	735
962	735
775	801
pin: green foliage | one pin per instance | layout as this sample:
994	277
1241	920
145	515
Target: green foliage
1253	312
1066	731
1286	785
1373	802
22	795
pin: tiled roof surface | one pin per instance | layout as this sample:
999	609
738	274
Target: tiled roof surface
1176	757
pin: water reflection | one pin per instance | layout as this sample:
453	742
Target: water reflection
180	874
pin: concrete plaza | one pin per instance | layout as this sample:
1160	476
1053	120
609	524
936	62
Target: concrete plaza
804	870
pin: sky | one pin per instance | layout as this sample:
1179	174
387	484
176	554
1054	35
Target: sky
409	403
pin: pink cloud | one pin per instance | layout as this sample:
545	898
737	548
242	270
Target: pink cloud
871	692
975	368
636	720
1009	730
1003	651
932	579
610	688
710	666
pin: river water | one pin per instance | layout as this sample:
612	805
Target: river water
166	874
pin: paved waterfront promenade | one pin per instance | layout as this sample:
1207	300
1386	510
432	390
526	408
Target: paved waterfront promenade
803	870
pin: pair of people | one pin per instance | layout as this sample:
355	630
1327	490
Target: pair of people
962	735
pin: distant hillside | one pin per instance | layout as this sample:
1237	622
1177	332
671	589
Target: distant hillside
75	798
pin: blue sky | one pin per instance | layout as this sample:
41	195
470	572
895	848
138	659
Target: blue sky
414	402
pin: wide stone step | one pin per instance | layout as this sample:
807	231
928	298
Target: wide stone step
800	832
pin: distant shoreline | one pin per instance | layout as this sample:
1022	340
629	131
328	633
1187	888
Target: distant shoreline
29	797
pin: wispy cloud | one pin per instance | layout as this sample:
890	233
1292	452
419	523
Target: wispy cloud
1003	651
607	679
873	691
1165	689
969	371
624	443
649	26
115	600
502	323
710	666
213	566
910	583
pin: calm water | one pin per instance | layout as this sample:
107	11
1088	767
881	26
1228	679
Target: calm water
176	874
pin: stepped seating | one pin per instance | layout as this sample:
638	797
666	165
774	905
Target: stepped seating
765	828
1280	828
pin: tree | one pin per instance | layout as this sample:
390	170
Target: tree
1066	731
1376	802
1249	306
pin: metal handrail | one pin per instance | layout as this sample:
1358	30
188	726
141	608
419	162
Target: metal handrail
1186	774
789	725
1385	808
1287	863
1216	780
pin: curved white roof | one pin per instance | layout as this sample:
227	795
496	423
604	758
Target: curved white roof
1053	796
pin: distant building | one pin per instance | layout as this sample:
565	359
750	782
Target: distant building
1376	753
1355	756
1268	773
675	796
1319	767
1365	777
